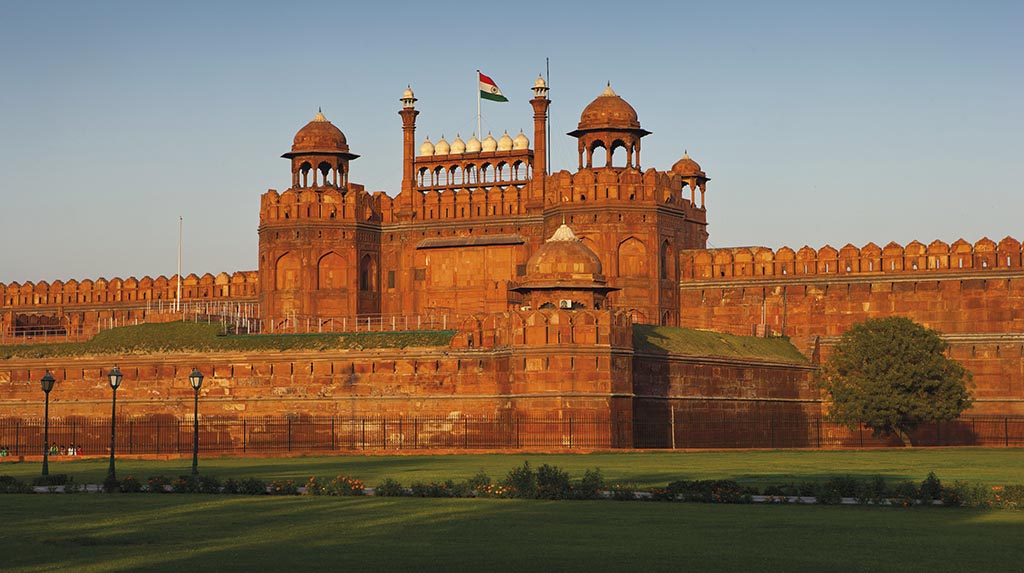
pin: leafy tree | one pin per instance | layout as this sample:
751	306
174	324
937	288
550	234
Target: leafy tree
892	375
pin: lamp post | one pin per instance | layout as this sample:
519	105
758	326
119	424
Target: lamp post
47	384
115	377
195	378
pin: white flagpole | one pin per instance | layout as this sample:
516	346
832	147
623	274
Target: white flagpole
479	133
177	300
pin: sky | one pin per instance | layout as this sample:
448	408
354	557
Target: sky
818	122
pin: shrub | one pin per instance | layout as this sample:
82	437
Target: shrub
904	493
591	486
10	484
552	483
479	481
196	484
111	484
157	484
521	482
623	491
931	488
707	491
283	487
52	479
338	485
252	486
130	485
389	488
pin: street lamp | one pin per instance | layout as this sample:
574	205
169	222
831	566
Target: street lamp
115	377
195	378
47	384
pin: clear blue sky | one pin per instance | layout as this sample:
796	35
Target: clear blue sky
818	122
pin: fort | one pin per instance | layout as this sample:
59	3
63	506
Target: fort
546	281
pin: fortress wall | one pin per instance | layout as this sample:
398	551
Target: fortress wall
975	298
722	402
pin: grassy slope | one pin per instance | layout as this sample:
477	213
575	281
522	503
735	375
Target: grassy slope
87	533
646	469
661	339
193	337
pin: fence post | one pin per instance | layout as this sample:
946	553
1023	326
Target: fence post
131	436
17	438
570	432
244	433
465	432
518	423
401	435
364	433
289	434
673	425
415	433
817	429
158	435
1006	432
332	432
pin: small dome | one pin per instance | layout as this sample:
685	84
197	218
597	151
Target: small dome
564	259
319	135
521	141
458	146
473	145
687	167
505	143
407	94
442	147
490	144
427	148
540	83
609	110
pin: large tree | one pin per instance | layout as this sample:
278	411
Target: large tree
892	375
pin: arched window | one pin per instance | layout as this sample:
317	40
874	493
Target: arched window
367	274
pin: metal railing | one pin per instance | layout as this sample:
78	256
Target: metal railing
282	434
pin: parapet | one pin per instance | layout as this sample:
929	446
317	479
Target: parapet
758	262
241	284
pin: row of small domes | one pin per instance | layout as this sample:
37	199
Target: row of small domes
474	145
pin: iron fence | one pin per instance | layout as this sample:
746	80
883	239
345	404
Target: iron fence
282	434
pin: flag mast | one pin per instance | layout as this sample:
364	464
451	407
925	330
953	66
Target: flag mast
479	134
177	299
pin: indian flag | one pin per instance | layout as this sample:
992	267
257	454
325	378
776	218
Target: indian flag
489	89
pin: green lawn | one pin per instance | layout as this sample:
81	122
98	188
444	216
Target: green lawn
646	469
114	533
661	339
173	337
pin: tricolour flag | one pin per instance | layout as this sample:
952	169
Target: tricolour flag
489	90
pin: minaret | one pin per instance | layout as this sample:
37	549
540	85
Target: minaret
540	103
408	114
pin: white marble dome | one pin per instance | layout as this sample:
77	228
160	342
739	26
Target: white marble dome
426	148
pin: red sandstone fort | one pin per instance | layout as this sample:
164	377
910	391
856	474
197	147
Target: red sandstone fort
543	275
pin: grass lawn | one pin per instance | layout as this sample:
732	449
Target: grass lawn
143	532
646	469
170	337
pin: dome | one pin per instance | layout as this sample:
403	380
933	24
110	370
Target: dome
521	141
319	135
458	146
442	147
427	148
687	167
473	145
540	82
407	94
609	110
505	143
490	144
564	259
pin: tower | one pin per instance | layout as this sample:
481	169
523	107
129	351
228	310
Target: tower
319	240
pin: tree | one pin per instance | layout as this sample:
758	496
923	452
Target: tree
892	375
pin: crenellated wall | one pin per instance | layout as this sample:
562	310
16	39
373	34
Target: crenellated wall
972	294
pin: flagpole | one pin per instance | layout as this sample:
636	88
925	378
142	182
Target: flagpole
177	300
479	134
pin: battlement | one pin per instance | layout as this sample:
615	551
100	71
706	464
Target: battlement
325	204
621	184
759	262
243	284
